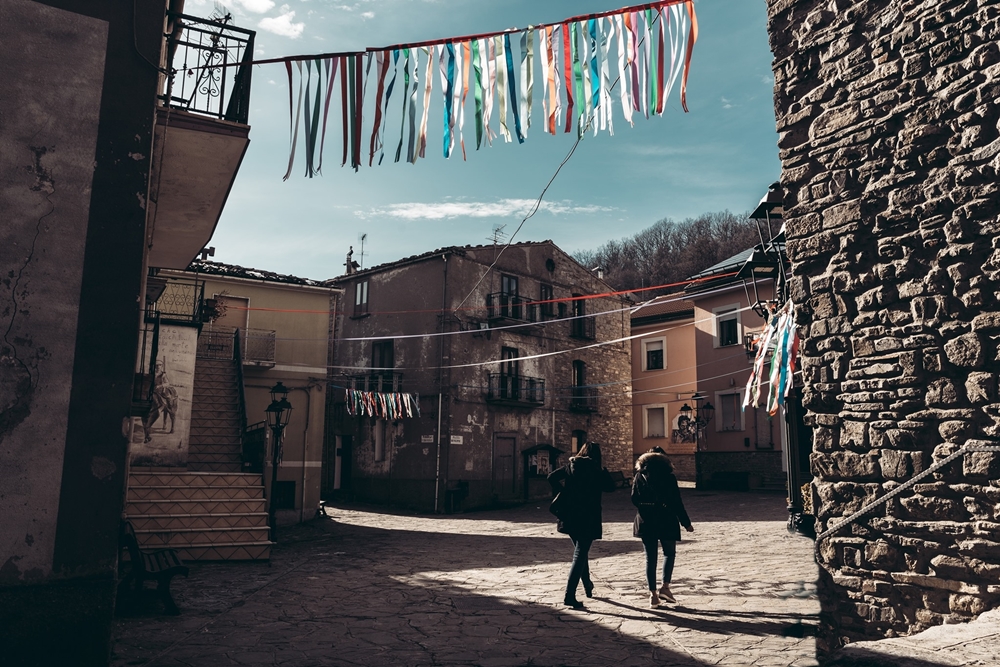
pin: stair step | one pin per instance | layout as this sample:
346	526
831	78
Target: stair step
139	477
176	522
185	537
156	507
162	492
209	466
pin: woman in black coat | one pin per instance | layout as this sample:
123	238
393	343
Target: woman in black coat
660	510
580	484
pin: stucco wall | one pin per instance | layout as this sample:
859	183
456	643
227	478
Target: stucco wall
889	147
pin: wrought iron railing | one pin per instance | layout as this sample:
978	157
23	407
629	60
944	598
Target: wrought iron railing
516	389
385	382
254	447
259	346
144	381
502	306
583	399
256	345
209	68
583	327
180	302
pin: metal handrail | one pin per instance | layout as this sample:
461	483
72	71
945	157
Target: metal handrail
238	360
517	388
584	327
965	449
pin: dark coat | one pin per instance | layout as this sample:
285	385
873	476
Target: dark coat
658	500
581	482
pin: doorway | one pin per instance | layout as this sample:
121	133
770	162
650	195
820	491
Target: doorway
504	473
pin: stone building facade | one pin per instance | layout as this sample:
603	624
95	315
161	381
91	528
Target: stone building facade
890	148
435	325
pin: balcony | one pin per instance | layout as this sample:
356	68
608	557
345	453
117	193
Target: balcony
502	307
256	345
201	135
383	382
180	302
583	399
583	328
516	390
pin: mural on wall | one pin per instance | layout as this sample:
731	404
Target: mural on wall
684	430
162	438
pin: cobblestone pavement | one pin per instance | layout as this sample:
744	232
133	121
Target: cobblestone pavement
363	587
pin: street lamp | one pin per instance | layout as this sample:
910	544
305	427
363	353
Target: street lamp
700	416
278	414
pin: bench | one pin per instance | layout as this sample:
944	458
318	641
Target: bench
620	480
159	565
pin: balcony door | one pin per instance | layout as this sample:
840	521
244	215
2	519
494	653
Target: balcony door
236	313
509	373
510	304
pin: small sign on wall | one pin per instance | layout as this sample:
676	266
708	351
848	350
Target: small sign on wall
427	439
457	439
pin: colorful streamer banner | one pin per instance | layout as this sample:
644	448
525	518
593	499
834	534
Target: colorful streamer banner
780	338
382	406
647	48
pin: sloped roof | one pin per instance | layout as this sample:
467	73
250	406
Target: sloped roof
235	271
662	308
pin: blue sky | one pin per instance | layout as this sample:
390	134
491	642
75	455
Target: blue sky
721	155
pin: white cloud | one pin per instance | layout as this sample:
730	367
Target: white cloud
256	6
282	24
368	15
502	208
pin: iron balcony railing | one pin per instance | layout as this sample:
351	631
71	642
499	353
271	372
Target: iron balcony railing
502	306
256	348
383	382
583	327
583	399
516	389
209	68
181	302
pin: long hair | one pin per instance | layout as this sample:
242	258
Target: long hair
591	450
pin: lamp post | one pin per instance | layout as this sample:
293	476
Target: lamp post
700	416
278	414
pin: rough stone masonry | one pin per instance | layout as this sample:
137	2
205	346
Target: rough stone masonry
889	146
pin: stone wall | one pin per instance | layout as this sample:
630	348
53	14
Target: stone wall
889	147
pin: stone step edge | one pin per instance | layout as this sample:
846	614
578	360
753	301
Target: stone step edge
228	529
192	515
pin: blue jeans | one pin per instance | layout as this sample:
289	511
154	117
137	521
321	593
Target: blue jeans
650	544
580	569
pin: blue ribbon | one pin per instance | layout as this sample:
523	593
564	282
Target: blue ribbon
512	87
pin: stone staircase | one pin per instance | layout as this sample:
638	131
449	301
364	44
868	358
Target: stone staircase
216	421
210	510
204	515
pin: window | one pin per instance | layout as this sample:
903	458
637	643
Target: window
579	374
581	326
383	355
510	302
729	415
508	285
727	326
508	373
546	295
361	298
576	442
652	357
656	421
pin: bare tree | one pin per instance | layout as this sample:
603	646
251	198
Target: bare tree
669	252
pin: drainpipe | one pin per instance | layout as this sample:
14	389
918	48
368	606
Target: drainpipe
444	304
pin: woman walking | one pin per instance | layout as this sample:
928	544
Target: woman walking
579	485
658	501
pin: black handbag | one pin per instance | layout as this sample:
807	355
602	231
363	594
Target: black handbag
558	506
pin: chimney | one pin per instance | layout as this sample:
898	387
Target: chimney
350	263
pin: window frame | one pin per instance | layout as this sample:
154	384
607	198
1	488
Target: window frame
645	353
722	314
720	425
361	293
546	293
667	426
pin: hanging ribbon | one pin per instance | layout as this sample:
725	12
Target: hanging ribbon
575	78
779	339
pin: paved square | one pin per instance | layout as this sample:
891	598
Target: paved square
363	587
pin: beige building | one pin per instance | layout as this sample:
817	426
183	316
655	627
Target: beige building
218	339
664	376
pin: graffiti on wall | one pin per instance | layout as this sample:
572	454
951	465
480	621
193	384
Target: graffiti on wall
161	438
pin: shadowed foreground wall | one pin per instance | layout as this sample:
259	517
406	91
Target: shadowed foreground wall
889	148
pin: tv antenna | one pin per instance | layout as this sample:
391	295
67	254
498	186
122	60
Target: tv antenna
498	234
361	255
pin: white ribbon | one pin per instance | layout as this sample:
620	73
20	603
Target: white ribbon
623	78
428	88
606	118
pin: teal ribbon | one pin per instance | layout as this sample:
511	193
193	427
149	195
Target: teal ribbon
512	87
